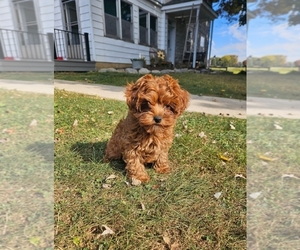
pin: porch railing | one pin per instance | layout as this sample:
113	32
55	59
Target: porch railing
71	45
188	57
22	45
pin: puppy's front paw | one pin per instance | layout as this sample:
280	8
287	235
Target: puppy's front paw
163	169
142	177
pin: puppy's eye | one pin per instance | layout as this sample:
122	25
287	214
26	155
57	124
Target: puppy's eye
170	108
145	106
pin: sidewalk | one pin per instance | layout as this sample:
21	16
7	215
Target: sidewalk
203	104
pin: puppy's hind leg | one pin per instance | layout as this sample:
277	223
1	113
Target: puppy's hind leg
112	151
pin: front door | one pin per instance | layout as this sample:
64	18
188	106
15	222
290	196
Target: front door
171	43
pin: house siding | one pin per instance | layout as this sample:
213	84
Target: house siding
44	18
116	50
105	49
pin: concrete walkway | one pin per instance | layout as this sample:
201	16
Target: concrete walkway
204	104
208	105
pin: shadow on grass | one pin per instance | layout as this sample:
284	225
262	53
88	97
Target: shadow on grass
94	152
44	149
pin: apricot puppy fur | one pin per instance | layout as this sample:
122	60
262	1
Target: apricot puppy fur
146	134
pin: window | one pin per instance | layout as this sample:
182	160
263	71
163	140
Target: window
148	28
126	21
71	21
26	21
202	44
118	19
143	27
153	31
190	39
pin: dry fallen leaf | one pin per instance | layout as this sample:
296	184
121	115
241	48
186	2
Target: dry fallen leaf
33	123
143	206
290	176
240	176
112	176
59	131
107	230
75	123
277	126
265	158
255	195
8	131
202	135
167	239
217	195
106	186
4	140
231	126
110	112
224	158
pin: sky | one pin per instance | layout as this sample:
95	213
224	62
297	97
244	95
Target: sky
228	39
263	38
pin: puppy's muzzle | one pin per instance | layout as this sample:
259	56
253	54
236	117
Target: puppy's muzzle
157	119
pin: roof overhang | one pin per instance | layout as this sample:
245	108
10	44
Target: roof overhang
187	6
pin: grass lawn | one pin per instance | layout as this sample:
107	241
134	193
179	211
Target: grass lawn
220	85
273	217
173	211
26	160
274	85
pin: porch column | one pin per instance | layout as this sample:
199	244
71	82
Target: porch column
196	37
211	29
163	32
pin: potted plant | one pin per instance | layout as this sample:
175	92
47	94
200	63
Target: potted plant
138	63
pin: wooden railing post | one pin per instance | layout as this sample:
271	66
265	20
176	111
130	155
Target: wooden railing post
51	46
87	46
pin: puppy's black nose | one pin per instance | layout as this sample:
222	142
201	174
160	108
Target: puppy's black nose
157	119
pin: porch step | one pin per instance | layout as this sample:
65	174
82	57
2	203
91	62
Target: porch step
34	66
74	66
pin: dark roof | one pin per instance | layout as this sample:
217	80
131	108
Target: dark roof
182	1
177	1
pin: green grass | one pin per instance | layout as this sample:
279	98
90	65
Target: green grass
173	209
26	159
274	85
225	84
28	76
273	218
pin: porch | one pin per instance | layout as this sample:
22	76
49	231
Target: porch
72	51
28	51
25	51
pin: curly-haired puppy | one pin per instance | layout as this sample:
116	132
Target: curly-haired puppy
146	134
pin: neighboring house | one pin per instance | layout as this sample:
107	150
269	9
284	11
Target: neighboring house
26	35
93	34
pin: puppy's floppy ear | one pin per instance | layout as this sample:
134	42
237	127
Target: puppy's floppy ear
184	97
132	91
131	95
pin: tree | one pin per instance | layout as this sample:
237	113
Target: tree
275	10
297	63
232	10
229	60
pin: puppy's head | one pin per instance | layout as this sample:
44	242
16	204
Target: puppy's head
156	101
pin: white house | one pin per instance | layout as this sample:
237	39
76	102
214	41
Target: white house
26	31
92	34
